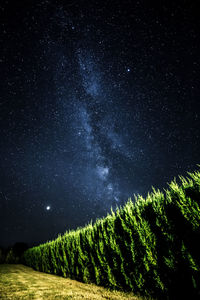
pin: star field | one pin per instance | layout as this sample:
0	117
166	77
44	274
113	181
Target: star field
99	101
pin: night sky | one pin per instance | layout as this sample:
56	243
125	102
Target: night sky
99	100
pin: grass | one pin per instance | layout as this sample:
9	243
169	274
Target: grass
21	282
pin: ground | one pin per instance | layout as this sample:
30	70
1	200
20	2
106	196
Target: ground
21	282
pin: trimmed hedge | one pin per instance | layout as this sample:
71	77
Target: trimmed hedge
150	247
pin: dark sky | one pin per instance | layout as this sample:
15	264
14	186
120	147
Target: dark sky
99	100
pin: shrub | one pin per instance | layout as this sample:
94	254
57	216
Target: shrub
150	247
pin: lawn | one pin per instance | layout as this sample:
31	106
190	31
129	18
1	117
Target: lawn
21	282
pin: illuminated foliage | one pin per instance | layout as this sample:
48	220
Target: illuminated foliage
150	247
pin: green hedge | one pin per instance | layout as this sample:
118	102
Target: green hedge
150	247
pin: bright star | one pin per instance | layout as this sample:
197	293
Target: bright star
48	207
128	70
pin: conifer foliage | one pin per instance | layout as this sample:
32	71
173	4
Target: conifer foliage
150	247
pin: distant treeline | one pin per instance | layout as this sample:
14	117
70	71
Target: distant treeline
14	254
150	247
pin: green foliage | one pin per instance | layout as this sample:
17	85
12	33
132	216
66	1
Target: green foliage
150	247
11	257
14	254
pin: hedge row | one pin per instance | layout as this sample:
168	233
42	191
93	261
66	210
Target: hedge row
150	247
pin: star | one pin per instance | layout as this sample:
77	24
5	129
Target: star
106	119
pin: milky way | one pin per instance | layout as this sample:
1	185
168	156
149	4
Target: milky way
99	101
